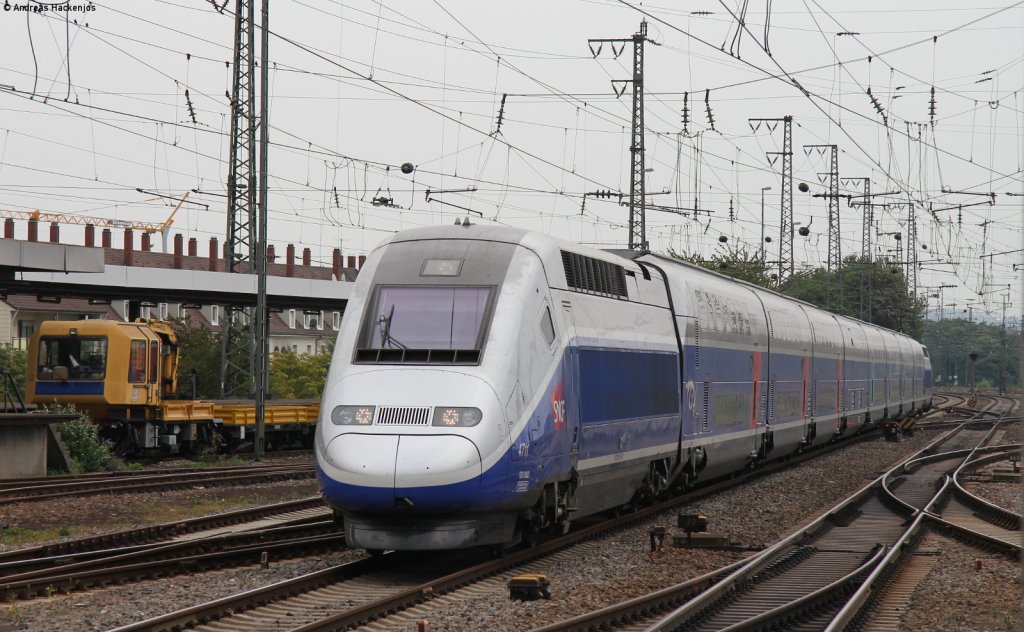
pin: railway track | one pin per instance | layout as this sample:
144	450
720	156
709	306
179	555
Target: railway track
238	537
803	581
62	575
87	547
385	588
33	489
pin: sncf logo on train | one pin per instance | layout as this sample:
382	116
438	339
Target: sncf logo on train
558	405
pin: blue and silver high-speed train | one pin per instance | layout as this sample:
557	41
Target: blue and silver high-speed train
488	383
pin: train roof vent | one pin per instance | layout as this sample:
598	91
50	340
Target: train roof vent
594	276
419	416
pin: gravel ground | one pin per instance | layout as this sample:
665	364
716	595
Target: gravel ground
31	523
955	597
619	567
755	514
1005	495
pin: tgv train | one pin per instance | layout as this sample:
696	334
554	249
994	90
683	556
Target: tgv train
489	383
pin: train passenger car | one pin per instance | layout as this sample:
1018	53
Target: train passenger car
489	383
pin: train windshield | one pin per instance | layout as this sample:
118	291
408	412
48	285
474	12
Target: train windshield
405	323
72	358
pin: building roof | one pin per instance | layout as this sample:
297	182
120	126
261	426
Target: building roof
30	302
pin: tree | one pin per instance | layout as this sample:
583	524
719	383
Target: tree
15	362
736	262
199	350
873	291
299	376
951	341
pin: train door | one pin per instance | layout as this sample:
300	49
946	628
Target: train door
810	389
570	402
766	402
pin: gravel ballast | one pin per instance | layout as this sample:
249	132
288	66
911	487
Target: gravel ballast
617	568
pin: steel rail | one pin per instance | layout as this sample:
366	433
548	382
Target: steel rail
408	597
162	531
40	584
854	608
738	579
32	570
165	482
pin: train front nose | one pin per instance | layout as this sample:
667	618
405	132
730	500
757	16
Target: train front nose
377	473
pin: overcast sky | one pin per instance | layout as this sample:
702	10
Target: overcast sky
93	111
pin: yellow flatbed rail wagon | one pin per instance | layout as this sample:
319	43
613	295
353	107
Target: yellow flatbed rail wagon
124	376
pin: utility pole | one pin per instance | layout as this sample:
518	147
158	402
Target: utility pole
1002	362
261	324
835	257
238	352
763	189
865	246
786	260
943	286
637	215
912	251
244	350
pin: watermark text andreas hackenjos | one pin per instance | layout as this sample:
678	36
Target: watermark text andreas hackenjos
45	7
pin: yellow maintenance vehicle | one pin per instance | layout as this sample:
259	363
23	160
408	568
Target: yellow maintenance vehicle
124	376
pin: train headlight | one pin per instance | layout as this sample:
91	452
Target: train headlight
352	415
456	417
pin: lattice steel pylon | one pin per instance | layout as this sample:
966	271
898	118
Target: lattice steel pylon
786	206
637	193
835	255
868	222
238	355
786	202
911	250
867	207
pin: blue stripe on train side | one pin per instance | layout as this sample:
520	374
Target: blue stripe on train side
69	388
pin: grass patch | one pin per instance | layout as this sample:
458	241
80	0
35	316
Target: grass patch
204	462
156	513
19	536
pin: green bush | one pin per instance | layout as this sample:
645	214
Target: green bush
89	453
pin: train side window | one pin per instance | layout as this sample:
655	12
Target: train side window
137	362
154	356
546	326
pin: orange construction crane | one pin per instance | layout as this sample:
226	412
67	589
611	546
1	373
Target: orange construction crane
163	228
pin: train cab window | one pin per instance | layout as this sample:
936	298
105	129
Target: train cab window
546	326
425	325
925	350
72	358
137	362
